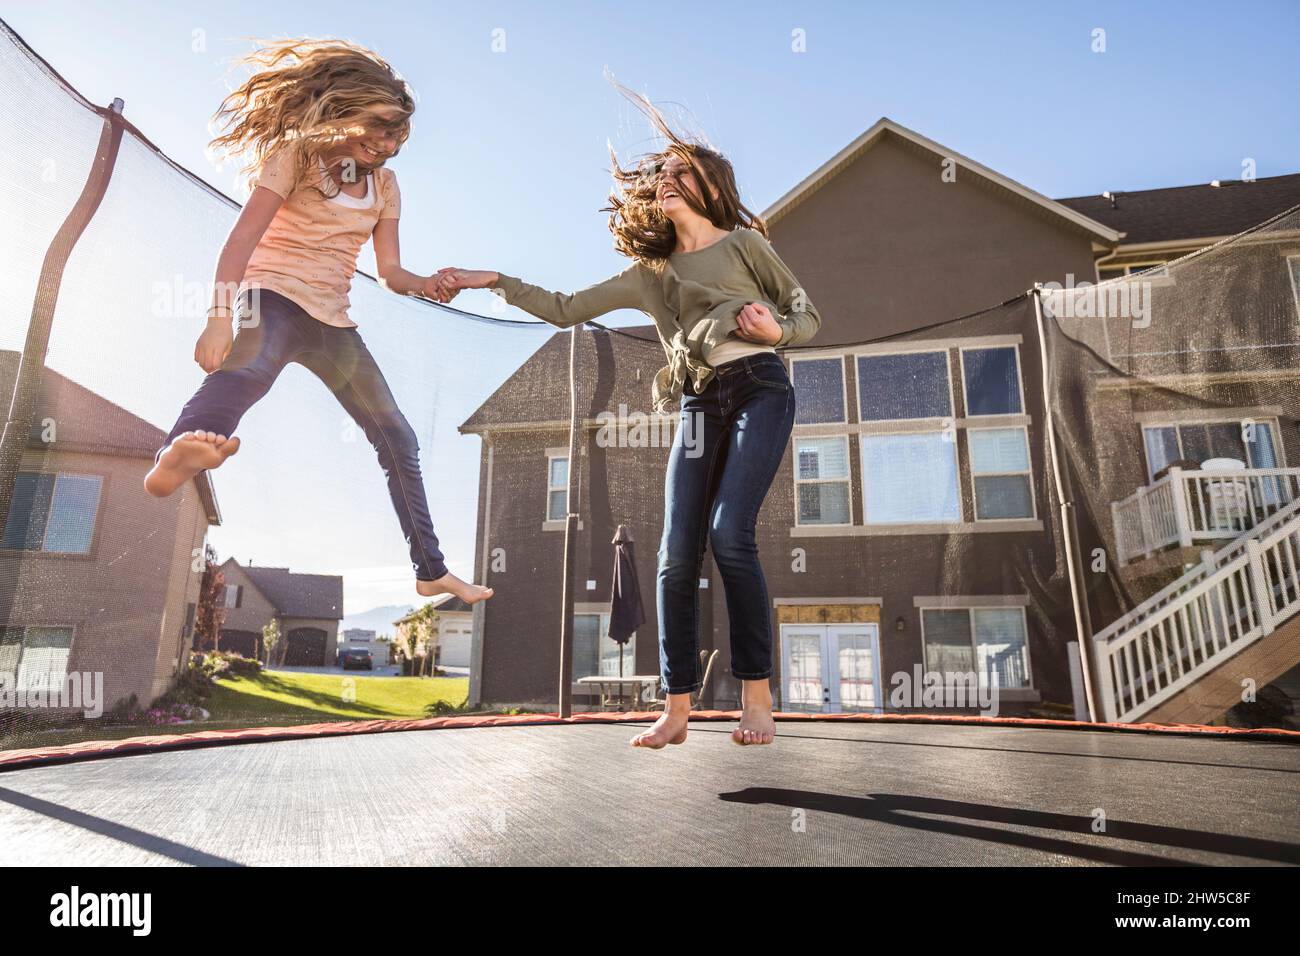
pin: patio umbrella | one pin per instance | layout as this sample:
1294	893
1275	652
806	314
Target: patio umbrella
626	613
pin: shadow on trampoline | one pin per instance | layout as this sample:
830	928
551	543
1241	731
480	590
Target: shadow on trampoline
899	809
116	831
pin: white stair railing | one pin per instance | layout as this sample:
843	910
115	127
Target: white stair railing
1235	596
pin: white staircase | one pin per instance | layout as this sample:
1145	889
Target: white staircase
1237	596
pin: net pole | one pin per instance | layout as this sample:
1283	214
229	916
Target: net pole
570	535
31	365
1066	505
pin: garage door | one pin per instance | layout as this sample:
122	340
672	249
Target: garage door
305	647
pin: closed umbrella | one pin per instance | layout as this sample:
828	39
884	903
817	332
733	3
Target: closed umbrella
626	612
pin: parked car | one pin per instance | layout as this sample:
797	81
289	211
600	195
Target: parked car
356	658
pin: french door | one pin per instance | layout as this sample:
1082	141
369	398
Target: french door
831	668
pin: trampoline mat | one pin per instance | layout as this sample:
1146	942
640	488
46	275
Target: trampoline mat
824	794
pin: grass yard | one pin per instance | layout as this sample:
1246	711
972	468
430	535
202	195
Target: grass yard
277	698
309	698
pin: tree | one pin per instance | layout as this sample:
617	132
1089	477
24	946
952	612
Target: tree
270	640
419	628
210	615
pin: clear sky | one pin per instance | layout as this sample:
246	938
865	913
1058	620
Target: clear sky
506	167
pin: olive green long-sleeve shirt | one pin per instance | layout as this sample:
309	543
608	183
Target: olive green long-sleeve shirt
693	298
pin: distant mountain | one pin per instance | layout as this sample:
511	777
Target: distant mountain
377	619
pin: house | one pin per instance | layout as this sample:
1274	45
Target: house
368	640
455	630
911	524
95	575
308	608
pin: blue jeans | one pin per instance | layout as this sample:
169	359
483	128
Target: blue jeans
282	333
729	445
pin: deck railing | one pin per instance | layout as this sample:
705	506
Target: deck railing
1235	596
1187	508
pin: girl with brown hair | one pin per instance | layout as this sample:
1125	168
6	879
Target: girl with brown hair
722	302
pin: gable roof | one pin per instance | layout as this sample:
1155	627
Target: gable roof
614	368
87	422
1199	212
885	127
297	595
449	603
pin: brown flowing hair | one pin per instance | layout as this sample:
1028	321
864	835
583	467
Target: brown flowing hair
641	230
306	95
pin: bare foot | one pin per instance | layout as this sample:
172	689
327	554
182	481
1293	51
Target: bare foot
757	725
450	584
187	455
670	728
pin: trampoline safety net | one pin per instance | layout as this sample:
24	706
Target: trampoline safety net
1115	465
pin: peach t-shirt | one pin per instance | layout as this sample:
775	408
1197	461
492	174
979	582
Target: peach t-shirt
309	251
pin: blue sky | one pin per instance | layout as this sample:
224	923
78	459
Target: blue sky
506	167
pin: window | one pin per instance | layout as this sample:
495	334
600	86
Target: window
986	640
233	596
821	480
910	478
557	487
818	390
53	513
595	653
1251	442
37	657
904	386
999	464
1157	269
992	379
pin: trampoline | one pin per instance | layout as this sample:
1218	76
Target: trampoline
829	792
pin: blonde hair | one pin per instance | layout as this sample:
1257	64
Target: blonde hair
307	95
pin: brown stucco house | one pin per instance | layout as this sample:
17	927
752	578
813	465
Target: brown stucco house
308	608
96	575
930	561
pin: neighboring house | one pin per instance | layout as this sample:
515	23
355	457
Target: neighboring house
308	608
95	574
885	246
370	641
455	629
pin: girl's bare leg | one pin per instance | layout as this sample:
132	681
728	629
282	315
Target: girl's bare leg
187	455
450	584
670	728
756	723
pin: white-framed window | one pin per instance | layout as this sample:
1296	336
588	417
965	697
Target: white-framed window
820	394
595	653
1159	268
1253	442
36	657
1001	480
907	477
991	381
233	596
904	386
983	640
910	478
557	487
53	513
821	481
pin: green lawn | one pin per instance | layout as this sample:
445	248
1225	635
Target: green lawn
277	698
308	698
